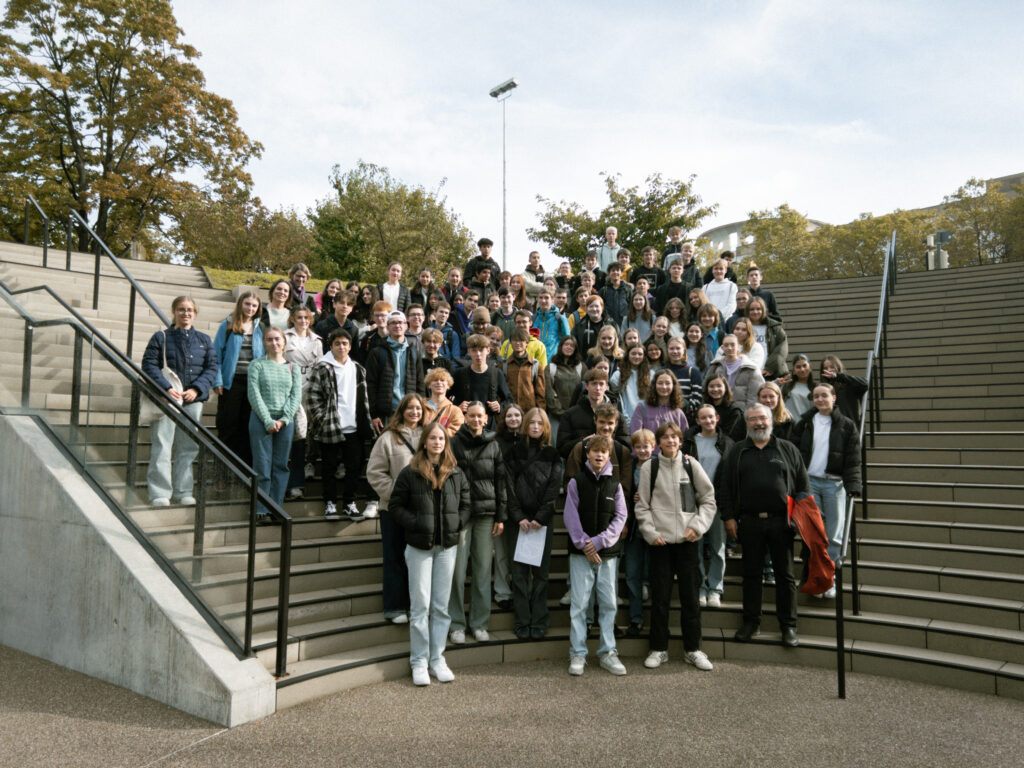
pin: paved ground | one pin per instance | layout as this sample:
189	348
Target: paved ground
526	715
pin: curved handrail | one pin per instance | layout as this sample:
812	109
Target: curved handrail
869	418
199	433
30	202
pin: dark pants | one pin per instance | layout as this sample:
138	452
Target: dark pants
771	535
297	465
349	452
232	419
530	589
395	577
682	561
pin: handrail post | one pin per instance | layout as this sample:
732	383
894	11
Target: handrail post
250	569
840	633
76	387
67	241
283	596
855	582
131	321
26	362
199	524
133	443
46	240
96	283
27	211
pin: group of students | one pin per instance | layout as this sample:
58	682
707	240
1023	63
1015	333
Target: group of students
479	420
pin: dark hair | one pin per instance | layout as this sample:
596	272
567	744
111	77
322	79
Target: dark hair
666	427
291	291
788	387
700	348
484	241
573	359
362	309
726	398
518	334
594	375
339	333
675	399
607	412
643	371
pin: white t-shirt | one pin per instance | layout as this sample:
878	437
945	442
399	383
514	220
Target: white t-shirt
389	293
819	451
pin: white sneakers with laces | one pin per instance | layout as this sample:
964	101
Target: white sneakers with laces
610	662
699	659
576	665
655	659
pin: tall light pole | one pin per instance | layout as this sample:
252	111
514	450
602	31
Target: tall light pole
501	92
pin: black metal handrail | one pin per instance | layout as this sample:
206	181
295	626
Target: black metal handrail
870	417
30	203
209	444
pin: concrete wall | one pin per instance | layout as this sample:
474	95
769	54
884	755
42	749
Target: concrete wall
77	589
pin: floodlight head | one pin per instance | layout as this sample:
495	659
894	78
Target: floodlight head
503	88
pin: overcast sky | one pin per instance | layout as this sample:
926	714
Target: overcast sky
834	108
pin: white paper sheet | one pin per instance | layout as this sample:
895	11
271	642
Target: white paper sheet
530	546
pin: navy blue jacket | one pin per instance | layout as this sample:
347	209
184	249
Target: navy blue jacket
190	354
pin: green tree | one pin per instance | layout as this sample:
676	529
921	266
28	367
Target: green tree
103	110
374	219
977	216
642	217
783	244
238	232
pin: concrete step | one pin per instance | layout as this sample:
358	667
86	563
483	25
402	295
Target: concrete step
1008	457
957	473
973	513
950	439
982	584
942	532
996	559
966	493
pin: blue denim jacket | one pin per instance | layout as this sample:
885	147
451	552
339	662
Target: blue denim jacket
228	345
190	354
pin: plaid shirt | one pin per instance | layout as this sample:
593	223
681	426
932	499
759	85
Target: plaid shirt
322	404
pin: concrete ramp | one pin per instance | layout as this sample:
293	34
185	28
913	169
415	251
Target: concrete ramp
80	591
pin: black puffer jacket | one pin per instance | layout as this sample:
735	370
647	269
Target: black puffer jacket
732	421
380	377
534	476
412	506
578	422
480	458
843	447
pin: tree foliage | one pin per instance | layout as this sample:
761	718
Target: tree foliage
981	219
642	216
374	219
103	110
236	231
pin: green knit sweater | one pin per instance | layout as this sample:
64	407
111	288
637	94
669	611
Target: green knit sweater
275	390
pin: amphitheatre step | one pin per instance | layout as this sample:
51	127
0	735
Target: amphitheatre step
938	438
969	534
895	423
967	493
1007	457
984	558
937	605
982	584
943	511
956	473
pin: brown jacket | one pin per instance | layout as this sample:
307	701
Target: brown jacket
525	379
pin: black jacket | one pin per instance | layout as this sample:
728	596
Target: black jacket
669	290
534	475
411	506
849	391
578	422
380	378
731	420
480	459
585	332
728	493
843	447
404	297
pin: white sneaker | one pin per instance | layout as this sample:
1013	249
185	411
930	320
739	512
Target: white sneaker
645	593
714	600
420	676
309	471
187	501
370	510
339	472
352	512
699	659
160	502
703	601
295	493
576	665
566	599
457	637
330	511
481	636
655	659
610	661
442	672
830	594
399	619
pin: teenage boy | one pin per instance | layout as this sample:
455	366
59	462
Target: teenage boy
432	341
673	509
742	298
675	288
523	374
708	443
483	259
589	265
394	369
649	268
727	257
595	513
337	406
635	548
754	277
415	317
534	347
492	303
533	276
608	253
377	334
579	308
616	295
551	324
561	301
343	303
482	284
675	245
451	346
625	260
579	422
480	381
505	317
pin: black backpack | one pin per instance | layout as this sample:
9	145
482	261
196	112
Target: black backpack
687	493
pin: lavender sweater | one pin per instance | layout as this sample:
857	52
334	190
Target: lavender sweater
653	416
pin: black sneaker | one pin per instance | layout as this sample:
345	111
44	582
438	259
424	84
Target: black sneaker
635	629
505	605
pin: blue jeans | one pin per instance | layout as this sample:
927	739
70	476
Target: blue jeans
270	457
170	457
585	577
635	555
830	496
712	576
474	544
430	586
